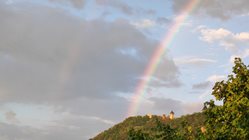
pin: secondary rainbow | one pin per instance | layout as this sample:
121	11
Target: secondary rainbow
157	56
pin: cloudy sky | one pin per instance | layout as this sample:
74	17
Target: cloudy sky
69	68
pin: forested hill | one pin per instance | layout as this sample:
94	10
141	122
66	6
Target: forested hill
229	121
144	127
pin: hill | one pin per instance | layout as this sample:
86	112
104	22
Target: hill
221	122
144	127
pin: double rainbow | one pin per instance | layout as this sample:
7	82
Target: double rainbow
157	56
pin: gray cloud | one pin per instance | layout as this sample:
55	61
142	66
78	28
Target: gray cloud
194	61
125	8
203	85
75	3
179	107
163	21
69	128
48	57
10	116
77	119
111	109
171	79
167	105
216	8
117	4
56	56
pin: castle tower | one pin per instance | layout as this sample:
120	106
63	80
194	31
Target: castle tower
171	115
149	115
164	117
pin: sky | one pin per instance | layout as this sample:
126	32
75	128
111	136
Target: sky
70	68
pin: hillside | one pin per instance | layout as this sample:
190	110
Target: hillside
152	127
227	121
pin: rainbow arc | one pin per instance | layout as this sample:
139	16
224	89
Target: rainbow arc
157	56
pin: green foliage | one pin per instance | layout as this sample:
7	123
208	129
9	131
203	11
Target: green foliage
121	130
189	125
137	135
156	128
230	120
160	131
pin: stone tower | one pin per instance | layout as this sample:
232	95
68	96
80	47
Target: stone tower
149	115
164	117
171	115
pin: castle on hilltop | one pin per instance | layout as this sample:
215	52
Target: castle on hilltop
164	117
171	115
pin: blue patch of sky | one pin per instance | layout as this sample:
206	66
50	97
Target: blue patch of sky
93	11
235	24
161	7
108	13
129	51
186	43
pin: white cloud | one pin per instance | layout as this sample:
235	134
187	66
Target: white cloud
244	54
144	23
211	35
216	78
194	61
244	36
229	40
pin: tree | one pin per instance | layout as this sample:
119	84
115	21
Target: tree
160	131
165	131
137	135
231	119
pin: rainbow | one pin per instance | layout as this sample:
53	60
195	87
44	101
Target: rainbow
157	56
67	67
